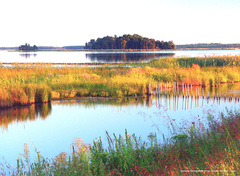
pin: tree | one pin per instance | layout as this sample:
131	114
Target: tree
123	43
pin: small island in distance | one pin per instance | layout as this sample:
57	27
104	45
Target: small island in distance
27	47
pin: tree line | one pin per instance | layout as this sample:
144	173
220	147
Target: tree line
128	42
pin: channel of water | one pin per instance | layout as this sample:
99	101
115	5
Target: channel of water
78	57
52	127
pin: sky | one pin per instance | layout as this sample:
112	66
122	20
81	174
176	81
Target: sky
75	22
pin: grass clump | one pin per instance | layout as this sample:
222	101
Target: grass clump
30	91
5	98
19	96
43	94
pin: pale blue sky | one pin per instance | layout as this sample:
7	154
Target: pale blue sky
74	22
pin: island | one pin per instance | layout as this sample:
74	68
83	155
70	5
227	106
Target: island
27	47
128	42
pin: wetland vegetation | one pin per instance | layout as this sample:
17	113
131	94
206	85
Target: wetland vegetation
206	150
202	151
37	83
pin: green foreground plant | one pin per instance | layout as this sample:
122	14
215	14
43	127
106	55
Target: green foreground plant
214	150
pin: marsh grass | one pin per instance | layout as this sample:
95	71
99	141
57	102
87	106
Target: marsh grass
213	150
207	61
24	85
43	94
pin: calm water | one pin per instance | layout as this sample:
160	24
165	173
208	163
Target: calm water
103	57
52	128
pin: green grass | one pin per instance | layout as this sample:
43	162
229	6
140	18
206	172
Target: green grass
214	61
215	148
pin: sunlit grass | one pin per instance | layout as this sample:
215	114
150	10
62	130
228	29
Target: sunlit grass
24	85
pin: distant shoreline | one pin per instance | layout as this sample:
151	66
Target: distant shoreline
120	50
196	46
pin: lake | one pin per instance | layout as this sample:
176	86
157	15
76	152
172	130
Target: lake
62	57
52	127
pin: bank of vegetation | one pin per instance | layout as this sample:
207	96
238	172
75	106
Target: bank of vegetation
214	150
43	110
128	42
24	85
209	46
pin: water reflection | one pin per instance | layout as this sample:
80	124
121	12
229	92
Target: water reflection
125	57
53	127
170	102
23	114
27	55
182	99
172	99
190	97
102	56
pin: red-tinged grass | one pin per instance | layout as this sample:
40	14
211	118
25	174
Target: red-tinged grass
5	98
19	96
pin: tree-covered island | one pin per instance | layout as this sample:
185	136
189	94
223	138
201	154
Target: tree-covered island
128	42
27	47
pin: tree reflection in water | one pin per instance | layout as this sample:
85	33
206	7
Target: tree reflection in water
28	55
21	114
106	57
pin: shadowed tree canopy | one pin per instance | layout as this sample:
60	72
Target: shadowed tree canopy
128	42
